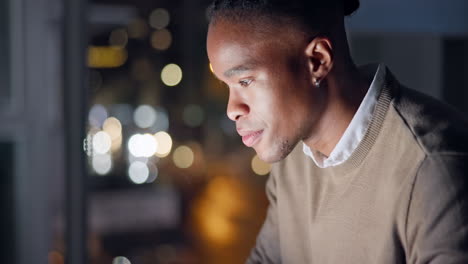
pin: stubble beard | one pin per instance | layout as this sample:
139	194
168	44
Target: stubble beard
278	151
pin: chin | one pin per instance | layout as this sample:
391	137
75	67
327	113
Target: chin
276	152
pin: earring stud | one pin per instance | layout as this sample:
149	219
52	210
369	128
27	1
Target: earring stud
317	83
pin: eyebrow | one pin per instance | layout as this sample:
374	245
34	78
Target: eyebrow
238	70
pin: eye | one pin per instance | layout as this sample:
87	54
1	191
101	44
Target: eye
245	82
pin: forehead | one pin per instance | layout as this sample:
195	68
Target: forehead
253	42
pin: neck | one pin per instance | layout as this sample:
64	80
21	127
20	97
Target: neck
346	88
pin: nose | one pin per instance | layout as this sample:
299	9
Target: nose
236	107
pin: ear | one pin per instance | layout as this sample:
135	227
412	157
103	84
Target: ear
320	58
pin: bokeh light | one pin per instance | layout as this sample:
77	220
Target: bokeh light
171	74
106	56
112	127
193	115
101	142
161	39
88	144
118	37
142	145
144	116
121	260
164	144
259	166
159	18
183	157
153	172
116	144
97	115
138	172
102	163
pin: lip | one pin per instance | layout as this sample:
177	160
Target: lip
250	138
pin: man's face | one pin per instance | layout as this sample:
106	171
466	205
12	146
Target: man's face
271	96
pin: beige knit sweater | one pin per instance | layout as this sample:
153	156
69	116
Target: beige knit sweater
402	197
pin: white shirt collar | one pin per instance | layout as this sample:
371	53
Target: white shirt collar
356	128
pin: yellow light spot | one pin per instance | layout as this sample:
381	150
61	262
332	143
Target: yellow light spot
106	56
211	68
164	144
161	39
259	166
113	127
171	75
183	157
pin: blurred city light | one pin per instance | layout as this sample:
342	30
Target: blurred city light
137	29
142	145
97	115
121	260
193	115
112	127
144	116
101	142
219	203
118	37
171	74
132	158
106	56
259	166
159	18
116	144
183	157
153	172
161	39
87	145
164	144
102	163
138	172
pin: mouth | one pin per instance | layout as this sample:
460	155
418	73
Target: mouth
250	138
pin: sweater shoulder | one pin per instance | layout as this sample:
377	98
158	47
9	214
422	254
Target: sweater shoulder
436	126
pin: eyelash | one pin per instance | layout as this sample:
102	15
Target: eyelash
245	83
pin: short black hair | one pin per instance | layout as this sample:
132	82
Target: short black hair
310	13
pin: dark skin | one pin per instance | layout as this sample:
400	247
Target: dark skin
271	69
